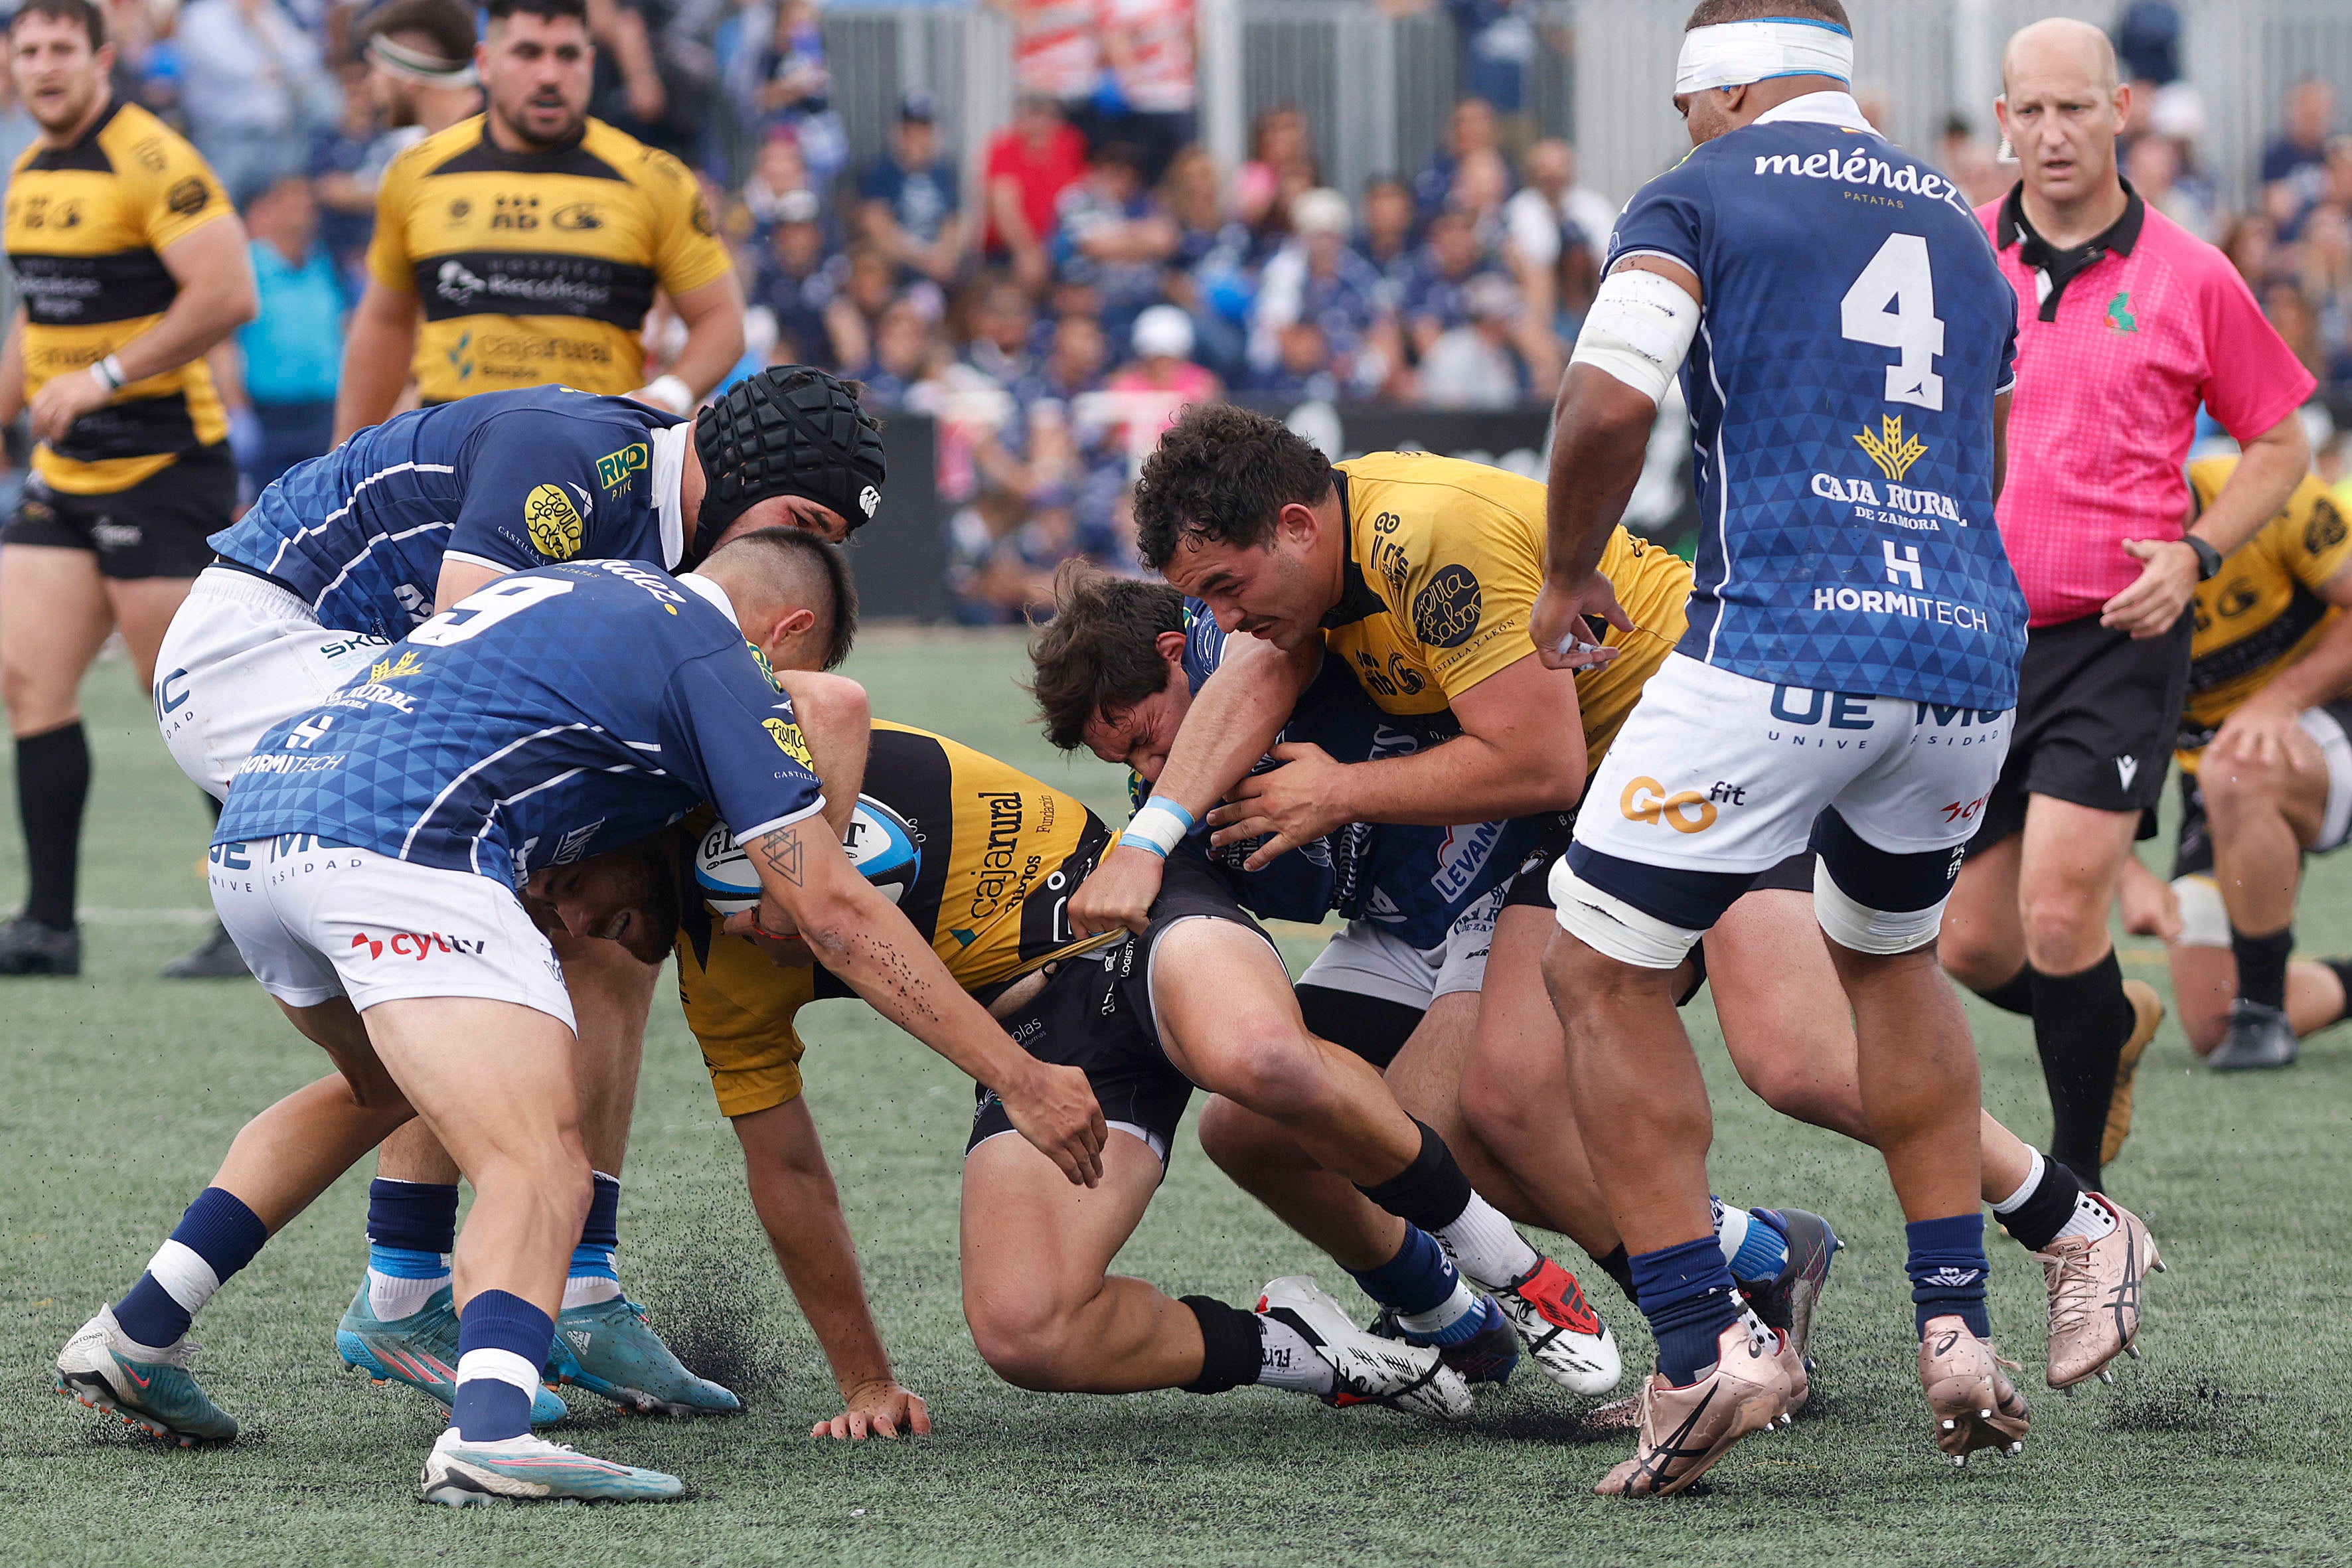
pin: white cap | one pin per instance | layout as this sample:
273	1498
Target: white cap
1321	210
1164	330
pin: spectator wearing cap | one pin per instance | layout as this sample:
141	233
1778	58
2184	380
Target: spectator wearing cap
1316	279
1029	165
797	280
1149	68
1476	365
1112	235
291	350
908	206
1160	382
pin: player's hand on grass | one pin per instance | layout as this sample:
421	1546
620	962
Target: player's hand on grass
2258	735
2168	578
1563	637
1118	893
2146	902
1289	805
64	399
882	1409
1054	1108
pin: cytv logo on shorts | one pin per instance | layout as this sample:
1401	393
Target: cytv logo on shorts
418	945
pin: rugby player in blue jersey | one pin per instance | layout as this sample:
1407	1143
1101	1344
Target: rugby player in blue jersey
368	864
341	557
1847	679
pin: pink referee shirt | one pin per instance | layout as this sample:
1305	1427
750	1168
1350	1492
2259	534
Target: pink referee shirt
2106	400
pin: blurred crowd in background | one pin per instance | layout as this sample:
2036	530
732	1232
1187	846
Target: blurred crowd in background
1110	270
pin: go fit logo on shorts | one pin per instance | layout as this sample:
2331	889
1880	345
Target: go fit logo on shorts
1685	811
419	945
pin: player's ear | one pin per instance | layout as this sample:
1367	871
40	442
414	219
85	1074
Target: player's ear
1170	646
1295	523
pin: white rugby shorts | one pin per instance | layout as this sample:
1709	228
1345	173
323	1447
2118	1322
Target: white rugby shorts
1716	776
318	921
243	654
1367	959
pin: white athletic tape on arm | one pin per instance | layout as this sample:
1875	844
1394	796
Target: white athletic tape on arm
1160	826
668	392
185	1275
499	1367
1639	330
1733	54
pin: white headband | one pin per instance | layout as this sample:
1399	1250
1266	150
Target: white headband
1733	54
416	66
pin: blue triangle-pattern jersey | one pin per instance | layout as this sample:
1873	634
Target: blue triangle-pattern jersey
553	715
510	479
1853	334
1411	881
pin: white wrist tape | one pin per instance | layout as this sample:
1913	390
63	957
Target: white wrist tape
1160	826
1639	330
670	392
1732	54
109	371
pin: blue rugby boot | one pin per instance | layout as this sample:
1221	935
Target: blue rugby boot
1489	1355
460	1474
608	1347
145	1387
1786	1302
419	1350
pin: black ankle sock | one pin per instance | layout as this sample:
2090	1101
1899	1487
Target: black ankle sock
2014	994
52	787
2343	968
2262	965
2035	1223
1232	1346
1620	1268
2080	1023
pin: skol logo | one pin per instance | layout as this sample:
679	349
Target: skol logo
1685	811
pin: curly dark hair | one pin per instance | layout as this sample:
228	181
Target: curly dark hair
1712	12
1222	473
1098	654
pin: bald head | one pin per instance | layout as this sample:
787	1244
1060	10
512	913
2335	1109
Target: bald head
792	593
2062	108
2060	46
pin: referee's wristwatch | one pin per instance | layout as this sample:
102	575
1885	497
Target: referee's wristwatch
2208	560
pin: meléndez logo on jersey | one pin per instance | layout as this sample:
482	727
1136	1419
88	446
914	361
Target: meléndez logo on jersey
417	945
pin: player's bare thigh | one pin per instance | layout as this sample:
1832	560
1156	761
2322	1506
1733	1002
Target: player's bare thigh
1783	1013
1981	944
143	608
1036	1254
54	617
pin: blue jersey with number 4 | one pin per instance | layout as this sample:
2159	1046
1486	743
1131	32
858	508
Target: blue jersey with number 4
550	716
1853	334
508	479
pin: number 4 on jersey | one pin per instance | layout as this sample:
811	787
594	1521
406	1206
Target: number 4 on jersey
1892	306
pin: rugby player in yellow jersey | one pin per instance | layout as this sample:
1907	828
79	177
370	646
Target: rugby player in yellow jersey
1421	571
985	859
2266	779
130	264
532	239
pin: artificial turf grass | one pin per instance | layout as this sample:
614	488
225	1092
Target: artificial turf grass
2221	1446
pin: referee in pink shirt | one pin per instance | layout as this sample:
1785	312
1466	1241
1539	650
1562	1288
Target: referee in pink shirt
2125	324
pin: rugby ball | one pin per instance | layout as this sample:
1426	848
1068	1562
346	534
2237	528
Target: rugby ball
880	843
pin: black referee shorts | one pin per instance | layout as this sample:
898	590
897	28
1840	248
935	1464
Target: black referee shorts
2097	713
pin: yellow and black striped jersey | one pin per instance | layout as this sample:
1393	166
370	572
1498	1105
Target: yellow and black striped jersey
2263	610
1444	561
1001	854
540	267
85	226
